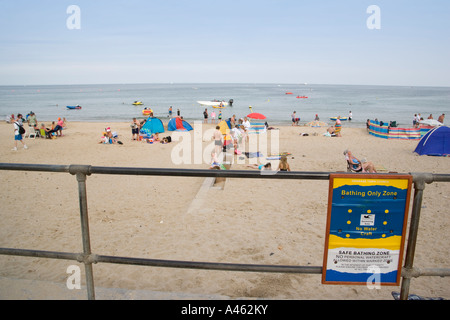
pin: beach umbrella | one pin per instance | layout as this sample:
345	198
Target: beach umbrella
256	115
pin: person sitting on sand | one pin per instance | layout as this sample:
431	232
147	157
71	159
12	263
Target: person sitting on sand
269	127
283	165
104	139
267	166
330	132
57	129
357	165
111	139
155	137
215	164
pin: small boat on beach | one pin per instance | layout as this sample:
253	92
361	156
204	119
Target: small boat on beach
73	107
341	118
212	103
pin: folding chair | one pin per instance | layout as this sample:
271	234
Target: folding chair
32	133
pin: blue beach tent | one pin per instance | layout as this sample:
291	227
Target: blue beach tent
435	142
152	125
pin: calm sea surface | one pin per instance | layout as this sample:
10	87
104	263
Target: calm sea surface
113	102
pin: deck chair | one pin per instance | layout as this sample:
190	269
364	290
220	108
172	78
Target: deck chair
44	134
351	167
32	133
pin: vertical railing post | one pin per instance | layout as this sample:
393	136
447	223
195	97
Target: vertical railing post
419	186
81	172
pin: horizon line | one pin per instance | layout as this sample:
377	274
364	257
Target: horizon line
222	83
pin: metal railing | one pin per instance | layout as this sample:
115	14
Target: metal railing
88	258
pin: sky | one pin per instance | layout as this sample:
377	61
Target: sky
211	41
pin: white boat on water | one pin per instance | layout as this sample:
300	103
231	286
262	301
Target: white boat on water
216	102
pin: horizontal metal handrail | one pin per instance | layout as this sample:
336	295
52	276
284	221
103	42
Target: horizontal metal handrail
95	258
88	170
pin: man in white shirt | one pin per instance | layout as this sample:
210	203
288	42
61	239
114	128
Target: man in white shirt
246	124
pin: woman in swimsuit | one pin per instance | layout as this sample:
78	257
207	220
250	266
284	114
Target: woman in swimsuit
267	166
283	165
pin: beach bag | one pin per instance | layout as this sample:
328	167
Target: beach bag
21	129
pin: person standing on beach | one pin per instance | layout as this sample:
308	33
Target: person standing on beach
213	117
233	120
18	124
170	112
178	112
32	122
350	116
415	121
217	137
135	126
205	116
338	127
441	118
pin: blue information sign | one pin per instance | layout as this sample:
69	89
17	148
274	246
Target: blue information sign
366	223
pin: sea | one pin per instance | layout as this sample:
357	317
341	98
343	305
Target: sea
114	102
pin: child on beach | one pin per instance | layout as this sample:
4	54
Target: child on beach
215	164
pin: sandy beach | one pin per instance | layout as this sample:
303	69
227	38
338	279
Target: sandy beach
252	221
